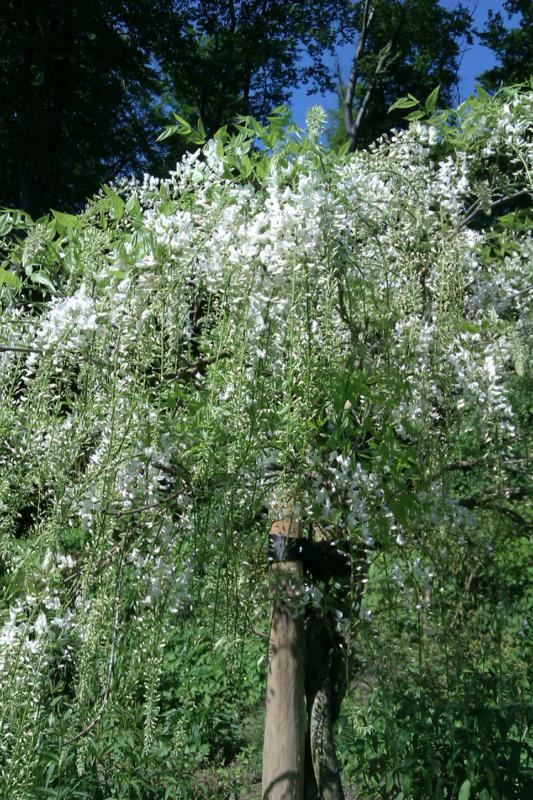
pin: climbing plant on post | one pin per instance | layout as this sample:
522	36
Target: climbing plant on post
285	719
352	328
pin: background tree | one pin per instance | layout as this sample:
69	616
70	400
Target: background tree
220	59
76	87
86	86
402	47
512	46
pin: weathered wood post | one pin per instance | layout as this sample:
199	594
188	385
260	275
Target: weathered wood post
285	722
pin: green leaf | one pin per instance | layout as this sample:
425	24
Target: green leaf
344	149
66	220
116	203
193	136
415	115
183	122
201	129
482	93
246	166
280	114
169	131
221	136
464	791
8	278
404	102
20	219
431	100
43	280
133	206
6	224
263	167
469	327
185	129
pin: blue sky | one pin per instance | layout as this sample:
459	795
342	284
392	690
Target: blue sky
475	60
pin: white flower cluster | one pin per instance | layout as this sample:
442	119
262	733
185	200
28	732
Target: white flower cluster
335	329
68	324
30	623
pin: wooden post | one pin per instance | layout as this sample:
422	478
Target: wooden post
285	722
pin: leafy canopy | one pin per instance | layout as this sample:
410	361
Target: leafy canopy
512	45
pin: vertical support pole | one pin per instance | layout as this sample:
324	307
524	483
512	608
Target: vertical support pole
285	722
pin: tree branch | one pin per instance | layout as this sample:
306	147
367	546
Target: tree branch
189	372
383	55
140	509
478	207
232	16
8	349
368	13
477	502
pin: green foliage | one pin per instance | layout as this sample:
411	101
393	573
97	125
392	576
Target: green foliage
224	59
86	89
75	95
512	45
271	321
424	41
455	718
